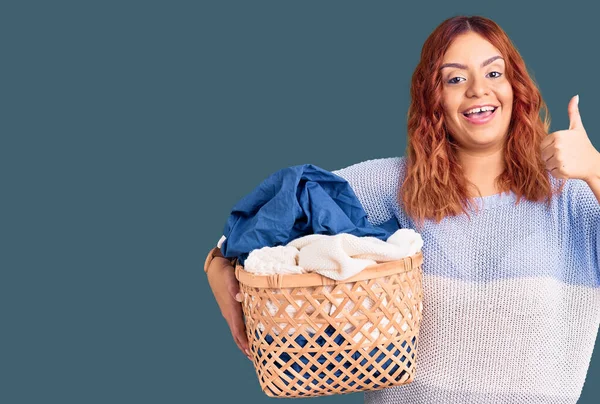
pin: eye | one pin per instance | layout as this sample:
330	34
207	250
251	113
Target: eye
451	81
456	80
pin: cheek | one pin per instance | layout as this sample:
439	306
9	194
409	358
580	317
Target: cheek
450	104
450	118
507	101
505	93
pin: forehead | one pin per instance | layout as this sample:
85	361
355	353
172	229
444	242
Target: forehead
469	48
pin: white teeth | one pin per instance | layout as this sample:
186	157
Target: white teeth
472	111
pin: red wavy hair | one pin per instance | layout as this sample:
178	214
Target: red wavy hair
435	186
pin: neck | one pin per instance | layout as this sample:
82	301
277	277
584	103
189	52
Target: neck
481	169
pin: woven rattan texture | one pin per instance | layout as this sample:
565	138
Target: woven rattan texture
336	339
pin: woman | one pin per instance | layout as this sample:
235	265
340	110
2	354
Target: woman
509	216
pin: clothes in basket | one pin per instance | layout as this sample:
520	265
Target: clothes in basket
294	202
338	256
325	337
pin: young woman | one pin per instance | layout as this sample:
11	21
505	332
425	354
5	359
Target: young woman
509	216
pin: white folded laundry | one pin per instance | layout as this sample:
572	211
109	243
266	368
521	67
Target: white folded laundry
338	256
273	260
343	255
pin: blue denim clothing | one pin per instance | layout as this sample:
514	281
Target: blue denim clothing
294	202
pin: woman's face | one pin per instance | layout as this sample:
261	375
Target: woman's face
473	74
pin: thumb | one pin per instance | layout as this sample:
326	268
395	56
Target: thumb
574	117
234	290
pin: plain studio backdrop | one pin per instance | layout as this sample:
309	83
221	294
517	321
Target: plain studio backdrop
129	131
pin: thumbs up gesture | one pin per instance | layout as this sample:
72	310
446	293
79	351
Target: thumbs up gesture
570	153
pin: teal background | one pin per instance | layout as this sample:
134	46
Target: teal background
129	131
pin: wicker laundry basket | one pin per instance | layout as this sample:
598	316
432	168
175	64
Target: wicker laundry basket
312	336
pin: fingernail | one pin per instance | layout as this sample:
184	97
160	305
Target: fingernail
577	99
248	353
239	297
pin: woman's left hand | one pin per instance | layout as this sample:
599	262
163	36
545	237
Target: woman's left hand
570	153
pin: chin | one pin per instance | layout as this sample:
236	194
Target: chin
489	140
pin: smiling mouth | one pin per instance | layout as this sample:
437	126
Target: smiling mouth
480	114
481	118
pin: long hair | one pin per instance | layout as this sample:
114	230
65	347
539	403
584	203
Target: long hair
435	186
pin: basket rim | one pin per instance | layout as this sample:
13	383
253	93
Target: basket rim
279	281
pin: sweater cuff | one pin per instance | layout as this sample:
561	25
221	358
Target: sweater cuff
215	252
220	243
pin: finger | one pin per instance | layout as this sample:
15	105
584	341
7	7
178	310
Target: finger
239	333
238	343
557	168
547	154
234	291
233	286
548	141
557	173
237	325
244	351
553	163
241	342
239	328
574	116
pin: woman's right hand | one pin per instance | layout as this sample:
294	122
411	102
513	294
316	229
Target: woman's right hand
226	289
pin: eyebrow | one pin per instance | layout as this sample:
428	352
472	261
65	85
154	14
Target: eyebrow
461	66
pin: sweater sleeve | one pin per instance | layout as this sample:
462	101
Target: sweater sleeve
376	183
585	224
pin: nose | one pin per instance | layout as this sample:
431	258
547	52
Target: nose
477	88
